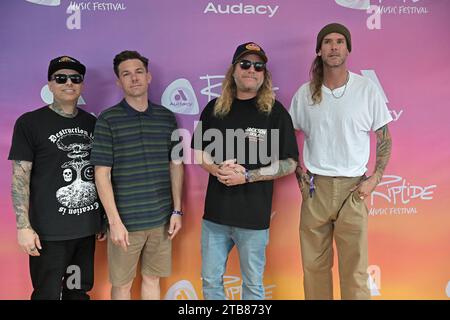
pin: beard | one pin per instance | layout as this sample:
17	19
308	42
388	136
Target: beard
334	62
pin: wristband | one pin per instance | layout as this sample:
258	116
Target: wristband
177	212
246	175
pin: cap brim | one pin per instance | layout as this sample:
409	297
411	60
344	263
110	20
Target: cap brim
259	53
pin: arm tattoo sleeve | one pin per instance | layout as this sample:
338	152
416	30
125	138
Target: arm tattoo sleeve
384	147
20	192
276	170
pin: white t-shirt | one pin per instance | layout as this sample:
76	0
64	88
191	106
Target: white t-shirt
337	140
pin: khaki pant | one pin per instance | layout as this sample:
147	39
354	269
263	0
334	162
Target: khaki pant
333	210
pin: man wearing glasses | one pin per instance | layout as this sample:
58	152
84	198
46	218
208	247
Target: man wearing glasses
53	189
336	111
247	122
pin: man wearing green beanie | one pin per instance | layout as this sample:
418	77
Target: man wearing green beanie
336	110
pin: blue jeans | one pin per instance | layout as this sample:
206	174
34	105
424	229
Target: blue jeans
217	242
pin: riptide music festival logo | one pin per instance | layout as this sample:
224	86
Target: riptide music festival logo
233	288
74	9
400	194
377	8
184	290
179	97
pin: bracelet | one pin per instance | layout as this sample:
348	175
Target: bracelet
247	177
177	212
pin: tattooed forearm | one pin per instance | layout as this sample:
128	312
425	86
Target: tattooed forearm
384	146
59	110
276	170
20	191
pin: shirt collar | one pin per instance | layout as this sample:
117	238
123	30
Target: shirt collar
133	112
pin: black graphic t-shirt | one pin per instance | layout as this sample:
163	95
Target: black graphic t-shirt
63	199
265	136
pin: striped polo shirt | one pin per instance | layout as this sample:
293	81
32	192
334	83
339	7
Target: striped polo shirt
137	146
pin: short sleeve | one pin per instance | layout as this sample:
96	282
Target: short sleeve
379	110
294	110
22	146
287	139
102	150
203	124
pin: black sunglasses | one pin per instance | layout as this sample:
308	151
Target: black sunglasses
61	78
246	64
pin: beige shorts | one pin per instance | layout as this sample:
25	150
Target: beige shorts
153	245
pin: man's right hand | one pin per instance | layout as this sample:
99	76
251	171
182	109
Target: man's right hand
29	241
119	234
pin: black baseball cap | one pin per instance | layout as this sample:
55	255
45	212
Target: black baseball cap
248	48
65	62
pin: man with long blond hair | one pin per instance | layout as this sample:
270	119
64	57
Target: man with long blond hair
336	111
245	121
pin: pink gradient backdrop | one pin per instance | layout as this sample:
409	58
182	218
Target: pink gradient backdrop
409	55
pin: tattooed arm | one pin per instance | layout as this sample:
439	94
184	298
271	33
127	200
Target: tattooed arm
20	191
276	170
384	147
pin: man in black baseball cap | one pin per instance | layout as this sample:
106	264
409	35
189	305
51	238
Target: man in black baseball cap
50	150
238	201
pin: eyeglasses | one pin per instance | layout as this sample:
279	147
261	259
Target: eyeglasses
246	64
61	78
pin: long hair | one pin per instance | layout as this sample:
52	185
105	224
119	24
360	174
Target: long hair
316	75
265	95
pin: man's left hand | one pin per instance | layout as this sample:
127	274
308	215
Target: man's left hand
175	225
365	188
231	174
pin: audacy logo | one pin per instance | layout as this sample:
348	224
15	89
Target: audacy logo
240	8
181	290
53	3
47	96
179	97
